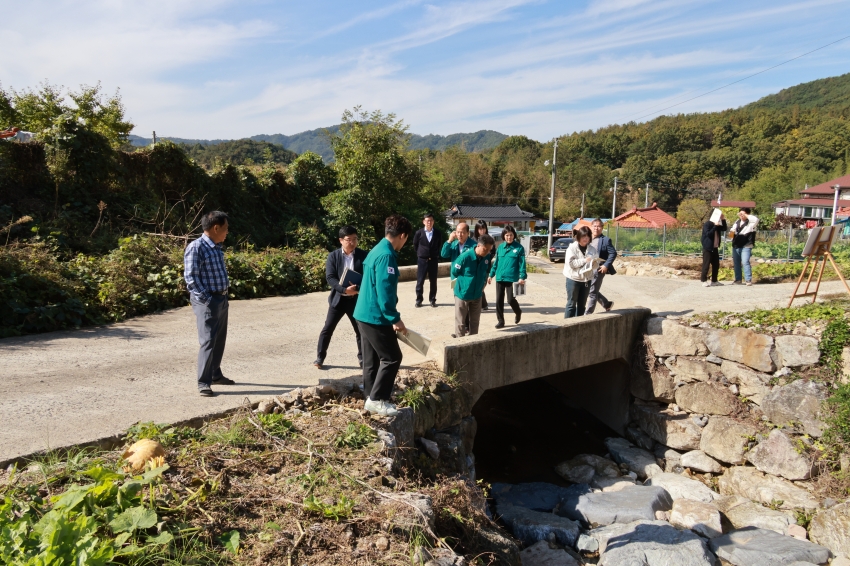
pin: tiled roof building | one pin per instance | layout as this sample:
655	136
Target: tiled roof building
493	214
651	217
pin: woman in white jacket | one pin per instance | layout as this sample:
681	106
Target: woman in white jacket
579	265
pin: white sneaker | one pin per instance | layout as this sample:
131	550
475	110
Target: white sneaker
383	408
707	284
749	283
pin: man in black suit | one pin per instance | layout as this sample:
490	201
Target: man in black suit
427	243
342	299
607	255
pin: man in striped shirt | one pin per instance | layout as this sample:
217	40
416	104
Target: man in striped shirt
207	282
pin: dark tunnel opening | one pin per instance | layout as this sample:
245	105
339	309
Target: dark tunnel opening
526	429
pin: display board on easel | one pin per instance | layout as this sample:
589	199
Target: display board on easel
817	251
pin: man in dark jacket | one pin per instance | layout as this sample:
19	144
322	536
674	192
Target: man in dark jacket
712	235
607	255
427	243
342	299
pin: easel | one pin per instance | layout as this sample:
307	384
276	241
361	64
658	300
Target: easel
818	247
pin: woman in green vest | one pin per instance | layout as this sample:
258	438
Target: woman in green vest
508	268
377	316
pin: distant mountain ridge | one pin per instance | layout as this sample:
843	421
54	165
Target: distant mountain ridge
317	142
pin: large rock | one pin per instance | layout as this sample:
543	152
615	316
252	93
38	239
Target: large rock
639	438
672	459
707	398
636	459
540	554
584	467
694	369
744	346
702	518
677	431
669	338
681	487
623	506
760	547
766	489
539	496
612	484
796	351
699	461
751	384
796	404
831	528
726	439
657	384
647	543
742	513
530	526
779	456
845	365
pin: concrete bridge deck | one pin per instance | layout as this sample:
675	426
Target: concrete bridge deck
65	388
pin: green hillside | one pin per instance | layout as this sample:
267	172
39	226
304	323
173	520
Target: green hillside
239	152
830	94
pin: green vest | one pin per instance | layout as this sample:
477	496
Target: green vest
509	265
450	250
378	298
471	273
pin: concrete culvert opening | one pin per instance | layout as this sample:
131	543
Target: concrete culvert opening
526	429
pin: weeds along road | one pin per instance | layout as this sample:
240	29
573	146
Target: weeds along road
64	388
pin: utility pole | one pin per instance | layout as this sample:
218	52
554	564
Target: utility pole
154	137
646	201
552	197
835	204
614	206
582	206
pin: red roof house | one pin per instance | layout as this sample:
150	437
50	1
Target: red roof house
816	202
651	217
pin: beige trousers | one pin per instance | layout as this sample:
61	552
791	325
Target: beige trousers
464	309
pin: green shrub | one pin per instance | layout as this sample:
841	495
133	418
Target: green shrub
835	337
837	433
39	292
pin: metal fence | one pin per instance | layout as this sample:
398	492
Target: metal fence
783	245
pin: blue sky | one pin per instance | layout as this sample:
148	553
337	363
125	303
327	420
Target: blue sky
542	68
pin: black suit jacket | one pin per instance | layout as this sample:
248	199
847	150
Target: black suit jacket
425	249
607	253
334	267
708	231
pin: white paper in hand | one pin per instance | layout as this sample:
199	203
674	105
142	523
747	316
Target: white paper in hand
415	340
715	216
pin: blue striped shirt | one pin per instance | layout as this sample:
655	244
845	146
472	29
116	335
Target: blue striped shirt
204	270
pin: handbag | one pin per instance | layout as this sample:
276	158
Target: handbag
519	289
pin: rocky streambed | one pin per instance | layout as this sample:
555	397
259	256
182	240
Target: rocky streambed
718	464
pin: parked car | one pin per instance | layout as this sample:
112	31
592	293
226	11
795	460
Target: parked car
558	251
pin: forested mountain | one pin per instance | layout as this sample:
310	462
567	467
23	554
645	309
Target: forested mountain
766	151
317	141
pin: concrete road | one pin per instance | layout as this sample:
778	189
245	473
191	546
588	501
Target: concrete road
65	388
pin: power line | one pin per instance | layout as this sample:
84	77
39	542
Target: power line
745	78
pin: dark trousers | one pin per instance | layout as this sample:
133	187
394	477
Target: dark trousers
212	334
484	304
577	292
427	267
503	287
335	314
710	258
595	295
381	360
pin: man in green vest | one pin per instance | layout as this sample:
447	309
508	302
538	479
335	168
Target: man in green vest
470	270
378	318
459	241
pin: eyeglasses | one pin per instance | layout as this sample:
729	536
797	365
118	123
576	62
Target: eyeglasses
351	239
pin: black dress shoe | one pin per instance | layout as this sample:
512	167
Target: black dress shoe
361	364
206	391
318	363
500	325
223	381
517	317
418	304
434	304
454	335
